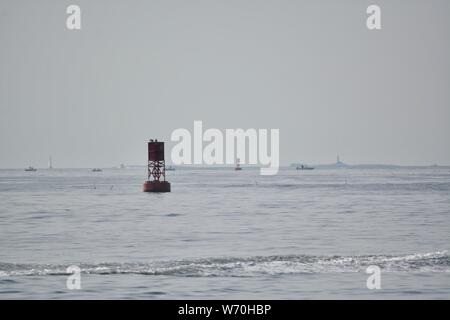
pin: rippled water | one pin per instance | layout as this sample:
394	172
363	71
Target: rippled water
226	234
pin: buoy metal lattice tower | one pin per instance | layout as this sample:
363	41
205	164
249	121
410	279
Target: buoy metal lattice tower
156	168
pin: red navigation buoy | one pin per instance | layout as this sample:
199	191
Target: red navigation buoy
156	168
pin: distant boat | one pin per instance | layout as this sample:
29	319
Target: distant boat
304	167
30	168
50	164
238	165
339	163
170	168
122	166
97	170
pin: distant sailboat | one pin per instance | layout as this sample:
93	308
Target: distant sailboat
339	163
96	170
50	164
238	165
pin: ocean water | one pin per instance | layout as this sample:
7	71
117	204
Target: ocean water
225	234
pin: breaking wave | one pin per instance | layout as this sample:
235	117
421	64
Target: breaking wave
247	267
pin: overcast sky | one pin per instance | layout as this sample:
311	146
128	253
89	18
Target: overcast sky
140	69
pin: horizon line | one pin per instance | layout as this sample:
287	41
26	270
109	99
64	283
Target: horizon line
342	165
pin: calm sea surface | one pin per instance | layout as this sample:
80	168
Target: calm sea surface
225	234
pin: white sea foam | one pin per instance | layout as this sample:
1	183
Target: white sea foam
248	267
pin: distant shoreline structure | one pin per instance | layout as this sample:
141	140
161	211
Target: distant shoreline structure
341	165
375	166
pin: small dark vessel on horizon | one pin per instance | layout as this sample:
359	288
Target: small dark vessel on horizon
238	164
30	168
304	167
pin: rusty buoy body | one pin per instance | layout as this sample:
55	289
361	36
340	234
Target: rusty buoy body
156	186
156	168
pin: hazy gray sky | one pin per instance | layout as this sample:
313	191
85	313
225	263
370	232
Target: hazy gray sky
140	69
